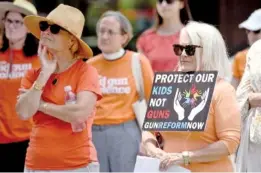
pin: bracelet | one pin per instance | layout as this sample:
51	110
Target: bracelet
45	105
186	157
37	86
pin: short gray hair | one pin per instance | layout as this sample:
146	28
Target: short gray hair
126	27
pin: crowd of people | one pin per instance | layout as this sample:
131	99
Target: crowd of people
63	109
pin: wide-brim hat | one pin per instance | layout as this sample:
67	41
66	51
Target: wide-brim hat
69	18
21	6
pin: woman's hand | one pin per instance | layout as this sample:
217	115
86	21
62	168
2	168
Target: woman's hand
171	159
158	153
254	100
48	65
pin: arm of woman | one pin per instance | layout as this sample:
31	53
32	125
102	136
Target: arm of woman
28	102
73	113
88	92
149	145
254	100
244	89
148	76
227	124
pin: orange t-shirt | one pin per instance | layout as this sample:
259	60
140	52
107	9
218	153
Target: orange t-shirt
159	50
239	64
53	145
12	129
223	124
118	88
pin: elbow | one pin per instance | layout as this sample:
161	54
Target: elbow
231	143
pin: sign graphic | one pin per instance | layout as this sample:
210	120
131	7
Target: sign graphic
180	101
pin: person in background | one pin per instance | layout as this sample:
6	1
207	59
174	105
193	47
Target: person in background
18	54
252	26
116	133
56	144
156	42
249	98
1	34
207	151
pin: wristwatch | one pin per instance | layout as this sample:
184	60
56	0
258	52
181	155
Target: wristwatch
37	86
186	157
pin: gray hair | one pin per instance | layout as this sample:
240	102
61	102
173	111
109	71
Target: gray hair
126	27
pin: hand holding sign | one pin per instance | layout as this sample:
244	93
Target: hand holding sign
177	107
200	106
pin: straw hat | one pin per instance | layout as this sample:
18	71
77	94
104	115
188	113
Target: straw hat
20	6
65	16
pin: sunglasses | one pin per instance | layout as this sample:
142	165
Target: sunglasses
189	49
255	32
167	1
55	29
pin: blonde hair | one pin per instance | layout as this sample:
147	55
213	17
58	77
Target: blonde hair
75	49
214	55
126	27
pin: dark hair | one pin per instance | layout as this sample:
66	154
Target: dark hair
185	15
30	45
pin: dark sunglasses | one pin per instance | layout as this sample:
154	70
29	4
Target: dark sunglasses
55	29
255	32
189	49
168	1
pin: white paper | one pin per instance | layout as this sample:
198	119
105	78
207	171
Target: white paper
148	164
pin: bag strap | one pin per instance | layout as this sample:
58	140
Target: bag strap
137	73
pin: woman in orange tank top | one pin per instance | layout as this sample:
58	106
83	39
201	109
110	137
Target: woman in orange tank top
60	96
202	48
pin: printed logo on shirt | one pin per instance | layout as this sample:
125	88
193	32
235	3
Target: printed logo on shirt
17	71
114	85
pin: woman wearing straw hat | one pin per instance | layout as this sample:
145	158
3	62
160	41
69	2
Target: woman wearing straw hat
18	53
55	143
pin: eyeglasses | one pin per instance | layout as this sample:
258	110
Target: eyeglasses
55	29
167	1
110	32
189	49
16	23
255	32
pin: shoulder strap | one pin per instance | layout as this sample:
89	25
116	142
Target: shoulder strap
137	73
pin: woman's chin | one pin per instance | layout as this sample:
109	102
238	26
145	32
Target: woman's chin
186	69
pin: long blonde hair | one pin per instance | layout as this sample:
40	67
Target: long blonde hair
214	55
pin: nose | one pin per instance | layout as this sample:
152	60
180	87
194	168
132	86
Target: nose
46	32
184	53
164	3
11	26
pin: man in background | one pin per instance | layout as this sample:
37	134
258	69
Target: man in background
252	26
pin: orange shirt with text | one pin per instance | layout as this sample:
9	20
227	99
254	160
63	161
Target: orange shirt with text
53	145
118	88
12	69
